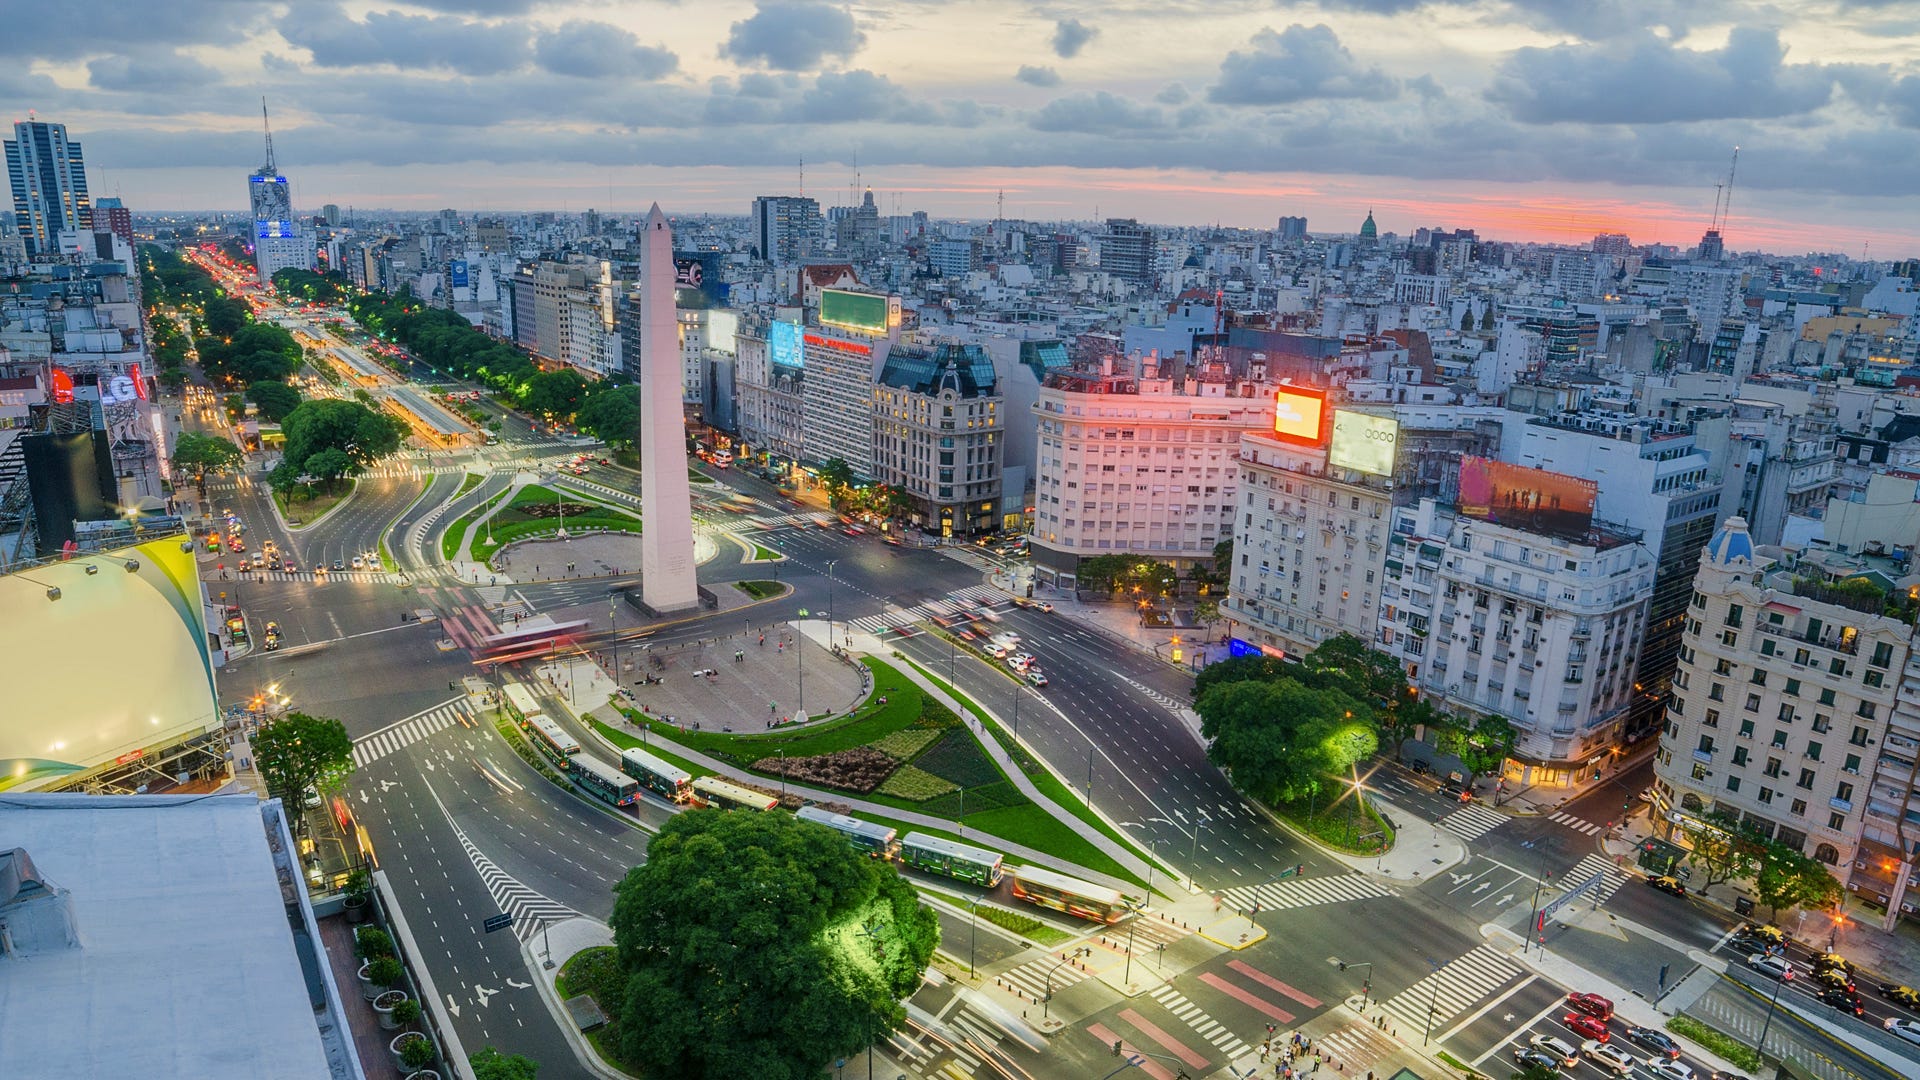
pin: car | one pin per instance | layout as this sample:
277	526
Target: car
1668	884
1528	1057
1844	1000
1591	1027
998	652
1558	1047
1762	934
320	568
271	643
1421	768
1901	995
1832	962
339	564
853	530
1452	786
288	566
1657	1039
1904	1029
893	540
1835	978
1607	1058
1670	1069
1771	966
273	627
1035	677
359	563
1591	1004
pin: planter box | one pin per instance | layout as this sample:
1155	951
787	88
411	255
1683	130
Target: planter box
393	1049
368	988
384	1006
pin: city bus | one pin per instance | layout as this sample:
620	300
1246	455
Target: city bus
520	701
603	781
1079	898
552	741
724	796
875	839
667	781
952	859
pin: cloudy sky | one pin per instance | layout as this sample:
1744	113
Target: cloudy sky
1527	119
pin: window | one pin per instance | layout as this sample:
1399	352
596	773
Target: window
1753	702
1822	723
1706	744
1713	715
1746	729
1806	779
1699	772
1723	666
1779	740
1799	807
1851	763
1793	686
1734	612
1866	710
1813	751
1874	678
1837	666
1730	638
1773	767
1826	697
1844	793
1759	677
1835	821
1716	692
1786	713
1766	795
1733	783
1882	655
1740	755
1859	737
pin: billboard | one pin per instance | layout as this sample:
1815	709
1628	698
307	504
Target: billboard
1363	441
1300	415
1532	499
722	327
457	273
855	311
699	271
272	207
783	344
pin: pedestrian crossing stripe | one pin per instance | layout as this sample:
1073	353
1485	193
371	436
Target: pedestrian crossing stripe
1306	892
1148	932
1577	824
983	595
1452	990
308	575
371	748
953	1069
1356	1046
1473	821
1196	1018
1611	878
1034	978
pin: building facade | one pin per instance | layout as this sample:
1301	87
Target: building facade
938	434
48	175
786	228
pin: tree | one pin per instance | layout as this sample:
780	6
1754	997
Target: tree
1223	559
555	393
297	752
1482	746
329	465
203	454
363	435
1241	669
1279	739
612	415
836	476
1722	848
275	399
491	1064
760	945
1348	664
1787	878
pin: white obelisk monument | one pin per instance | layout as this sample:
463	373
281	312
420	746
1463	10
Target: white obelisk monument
666	504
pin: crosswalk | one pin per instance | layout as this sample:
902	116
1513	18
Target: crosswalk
1196	1018
1576	824
1611	878
1147	933
1356	1046
1306	892
977	595
784	521
372	748
309	575
1473	821
1450	991
1033	980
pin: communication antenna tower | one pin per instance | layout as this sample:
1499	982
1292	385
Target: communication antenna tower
268	125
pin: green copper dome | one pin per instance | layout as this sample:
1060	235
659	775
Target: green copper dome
1368	230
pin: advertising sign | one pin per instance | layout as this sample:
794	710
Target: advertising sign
855	311
1300	415
699	271
1531	499
457	273
783	344
1363	441
722	330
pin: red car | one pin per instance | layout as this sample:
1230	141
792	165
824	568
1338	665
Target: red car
1589	1027
1592	1004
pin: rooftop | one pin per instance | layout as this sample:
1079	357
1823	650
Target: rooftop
179	961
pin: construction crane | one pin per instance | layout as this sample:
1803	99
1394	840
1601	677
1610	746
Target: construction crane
1723	211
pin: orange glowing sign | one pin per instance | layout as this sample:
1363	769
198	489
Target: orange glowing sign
1300	415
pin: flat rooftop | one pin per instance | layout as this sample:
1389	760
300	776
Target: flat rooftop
185	964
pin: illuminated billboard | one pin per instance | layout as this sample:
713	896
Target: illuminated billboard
1532	499
1300	415
722	328
855	311
783	344
457	273
1364	442
272	207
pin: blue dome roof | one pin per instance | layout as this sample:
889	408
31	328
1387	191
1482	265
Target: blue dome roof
1731	543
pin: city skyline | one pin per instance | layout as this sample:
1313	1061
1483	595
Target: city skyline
1509	116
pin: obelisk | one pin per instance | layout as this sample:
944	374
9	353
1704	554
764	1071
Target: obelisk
666	503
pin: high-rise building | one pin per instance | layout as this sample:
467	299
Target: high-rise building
1127	250
1292	228
49	181
786	228
112	215
331	213
1782	701
938	419
278	241
1612	244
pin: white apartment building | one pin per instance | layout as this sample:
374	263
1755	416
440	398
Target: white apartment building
1541	629
1781	705
1131	460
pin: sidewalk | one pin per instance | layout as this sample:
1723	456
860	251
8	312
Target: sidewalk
1536	799
1421	848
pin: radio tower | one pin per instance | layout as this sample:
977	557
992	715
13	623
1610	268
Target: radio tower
268	125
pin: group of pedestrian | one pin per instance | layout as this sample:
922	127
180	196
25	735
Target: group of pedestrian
1290	1058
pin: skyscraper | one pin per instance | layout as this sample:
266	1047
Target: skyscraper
1126	251
49	180
786	228
278	243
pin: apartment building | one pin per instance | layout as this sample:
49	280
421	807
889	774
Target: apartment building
938	435
1782	703
1139	460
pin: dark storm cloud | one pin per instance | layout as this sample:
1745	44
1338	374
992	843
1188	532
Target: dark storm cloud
794	35
150	71
1299	63
405	41
845	97
1070	36
595	50
1037	76
1098	113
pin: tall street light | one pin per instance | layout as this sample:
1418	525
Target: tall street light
831	563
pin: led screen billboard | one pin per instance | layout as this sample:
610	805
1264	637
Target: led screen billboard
855	311
1532	499
457	273
722	330
783	344
1300	415
1364	442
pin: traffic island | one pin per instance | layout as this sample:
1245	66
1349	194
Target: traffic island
1236	933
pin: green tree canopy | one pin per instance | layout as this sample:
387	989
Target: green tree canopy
275	399
555	393
760	945
1281	740
297	752
1786	878
491	1064
1722	849
1241	669
837	476
203	454
328	465
612	415
1481	743
364	435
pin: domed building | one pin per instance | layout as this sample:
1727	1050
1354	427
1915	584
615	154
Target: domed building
1369	232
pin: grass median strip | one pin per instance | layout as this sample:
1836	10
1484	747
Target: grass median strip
1716	1041
453	541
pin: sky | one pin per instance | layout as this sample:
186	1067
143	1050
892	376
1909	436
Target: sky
1541	120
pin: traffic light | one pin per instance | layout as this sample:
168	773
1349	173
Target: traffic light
1116	1048
1343	965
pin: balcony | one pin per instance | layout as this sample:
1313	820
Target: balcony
1845	806
1705	757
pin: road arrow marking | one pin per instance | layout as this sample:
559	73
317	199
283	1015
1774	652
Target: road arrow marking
1505	900
482	994
452	1007
388	785
1482	887
519	985
1459	878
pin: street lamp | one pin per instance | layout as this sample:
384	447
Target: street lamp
1047	1001
1779	984
831	563
1194	854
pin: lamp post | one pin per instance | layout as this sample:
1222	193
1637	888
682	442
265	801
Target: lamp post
1046	1002
831	563
1433	1006
1760	1045
1194	854
1366	984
